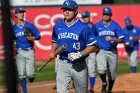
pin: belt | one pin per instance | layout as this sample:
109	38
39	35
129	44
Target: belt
68	61
25	49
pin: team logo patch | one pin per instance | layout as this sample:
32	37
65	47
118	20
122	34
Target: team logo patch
67	3
21	8
106	9
134	30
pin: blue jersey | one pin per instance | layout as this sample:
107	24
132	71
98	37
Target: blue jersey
112	29
76	36
21	40
92	28
134	32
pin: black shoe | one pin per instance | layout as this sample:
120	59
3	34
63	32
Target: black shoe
104	88
31	80
109	91
54	88
91	91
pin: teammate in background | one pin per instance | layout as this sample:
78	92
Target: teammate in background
24	48
91	58
79	43
108	34
131	42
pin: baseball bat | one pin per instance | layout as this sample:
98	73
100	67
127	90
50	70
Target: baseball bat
58	51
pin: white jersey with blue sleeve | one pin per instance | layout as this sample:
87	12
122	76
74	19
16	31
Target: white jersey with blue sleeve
134	32
75	36
112	29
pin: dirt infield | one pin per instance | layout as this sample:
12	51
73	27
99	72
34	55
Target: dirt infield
126	83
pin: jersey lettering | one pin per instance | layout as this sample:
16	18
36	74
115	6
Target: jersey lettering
110	33
19	34
68	35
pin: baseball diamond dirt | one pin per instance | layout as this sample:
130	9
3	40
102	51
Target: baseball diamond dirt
125	83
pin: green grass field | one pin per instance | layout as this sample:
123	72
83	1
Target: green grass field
48	73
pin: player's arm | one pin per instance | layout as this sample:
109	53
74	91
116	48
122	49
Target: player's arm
53	49
119	35
81	54
137	38
90	46
35	34
117	40
54	44
138	34
89	49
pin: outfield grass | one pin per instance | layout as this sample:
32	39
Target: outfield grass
47	73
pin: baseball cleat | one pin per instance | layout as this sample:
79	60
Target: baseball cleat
103	90
91	91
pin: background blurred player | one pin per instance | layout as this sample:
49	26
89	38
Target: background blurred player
79	43
108	34
91	58
25	33
131	42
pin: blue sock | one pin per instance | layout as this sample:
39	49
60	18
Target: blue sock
23	85
133	69
92	82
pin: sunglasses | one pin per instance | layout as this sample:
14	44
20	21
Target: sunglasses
20	12
67	10
107	14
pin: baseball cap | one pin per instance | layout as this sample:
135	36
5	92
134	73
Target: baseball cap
19	10
69	4
107	10
127	21
85	14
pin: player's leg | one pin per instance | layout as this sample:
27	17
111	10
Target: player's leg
134	61
80	80
30	65
56	68
63	76
101	61
91	71
129	58
20	62
112	69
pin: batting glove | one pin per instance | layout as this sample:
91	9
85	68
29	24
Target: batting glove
132	38
127	44
74	56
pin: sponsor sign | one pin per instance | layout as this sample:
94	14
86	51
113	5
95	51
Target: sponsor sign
45	18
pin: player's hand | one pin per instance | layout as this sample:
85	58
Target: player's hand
127	44
30	38
52	55
74	56
132	38
108	38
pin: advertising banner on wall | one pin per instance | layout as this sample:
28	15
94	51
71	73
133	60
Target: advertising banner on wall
45	18
51	2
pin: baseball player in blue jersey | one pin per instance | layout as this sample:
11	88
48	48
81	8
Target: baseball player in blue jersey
79	43
25	33
131	42
108	34
91	58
